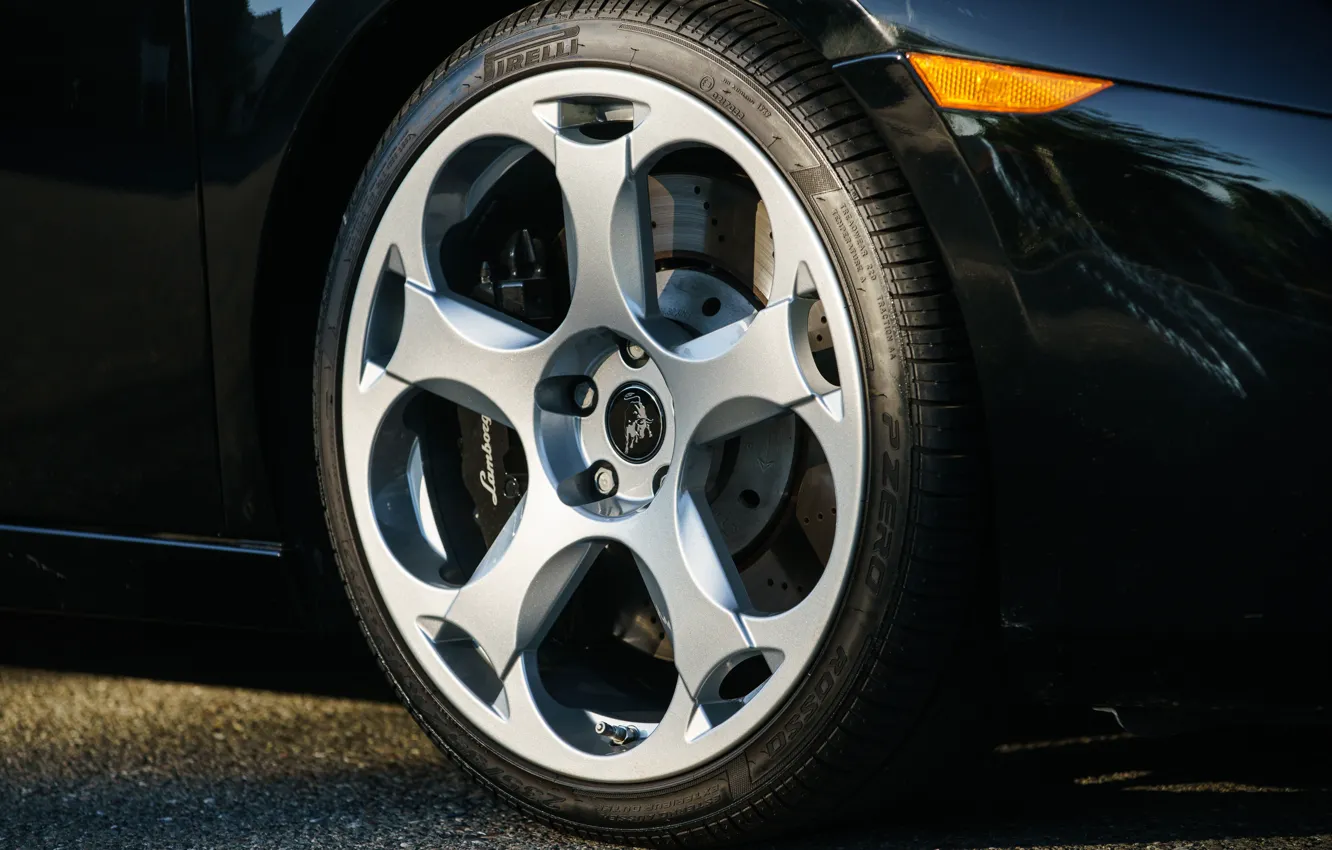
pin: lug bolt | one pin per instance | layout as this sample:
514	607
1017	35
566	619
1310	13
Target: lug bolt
658	478
617	735
634	354
585	396
604	479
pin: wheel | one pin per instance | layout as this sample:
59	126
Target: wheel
647	431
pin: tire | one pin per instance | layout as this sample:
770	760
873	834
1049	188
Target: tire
895	685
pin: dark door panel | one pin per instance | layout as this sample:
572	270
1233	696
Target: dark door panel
107	418
257	66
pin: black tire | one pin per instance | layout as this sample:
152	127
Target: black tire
895	685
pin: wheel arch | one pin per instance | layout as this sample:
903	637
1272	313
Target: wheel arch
950	199
963	228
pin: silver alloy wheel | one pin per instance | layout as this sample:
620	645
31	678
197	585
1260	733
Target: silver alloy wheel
477	642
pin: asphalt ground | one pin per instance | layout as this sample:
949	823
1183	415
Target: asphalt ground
209	746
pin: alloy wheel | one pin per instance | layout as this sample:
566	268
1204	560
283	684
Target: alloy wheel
676	423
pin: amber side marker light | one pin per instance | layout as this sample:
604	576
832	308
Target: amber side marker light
989	87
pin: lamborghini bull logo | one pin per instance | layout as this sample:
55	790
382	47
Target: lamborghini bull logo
637	425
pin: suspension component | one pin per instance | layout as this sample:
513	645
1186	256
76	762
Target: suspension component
524	291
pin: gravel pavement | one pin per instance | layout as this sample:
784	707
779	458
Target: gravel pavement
94	760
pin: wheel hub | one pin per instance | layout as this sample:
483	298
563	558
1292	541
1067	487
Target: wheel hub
629	429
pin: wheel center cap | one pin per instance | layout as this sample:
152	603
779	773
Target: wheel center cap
635	423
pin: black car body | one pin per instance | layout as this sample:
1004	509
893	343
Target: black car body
1146	278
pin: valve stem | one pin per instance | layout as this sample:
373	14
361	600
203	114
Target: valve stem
617	735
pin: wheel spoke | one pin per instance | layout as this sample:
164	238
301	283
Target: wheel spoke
744	373
825	415
606	213
523	581
365	404
696	589
412	600
450	346
793	276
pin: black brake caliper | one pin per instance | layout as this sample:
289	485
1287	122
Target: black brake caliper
494	471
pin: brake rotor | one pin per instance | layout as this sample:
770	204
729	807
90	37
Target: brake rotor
714	220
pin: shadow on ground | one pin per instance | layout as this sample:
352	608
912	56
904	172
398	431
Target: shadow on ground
225	740
1272	787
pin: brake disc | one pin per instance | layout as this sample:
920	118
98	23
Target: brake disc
715	220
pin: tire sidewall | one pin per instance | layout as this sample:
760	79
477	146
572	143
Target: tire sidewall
808	717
